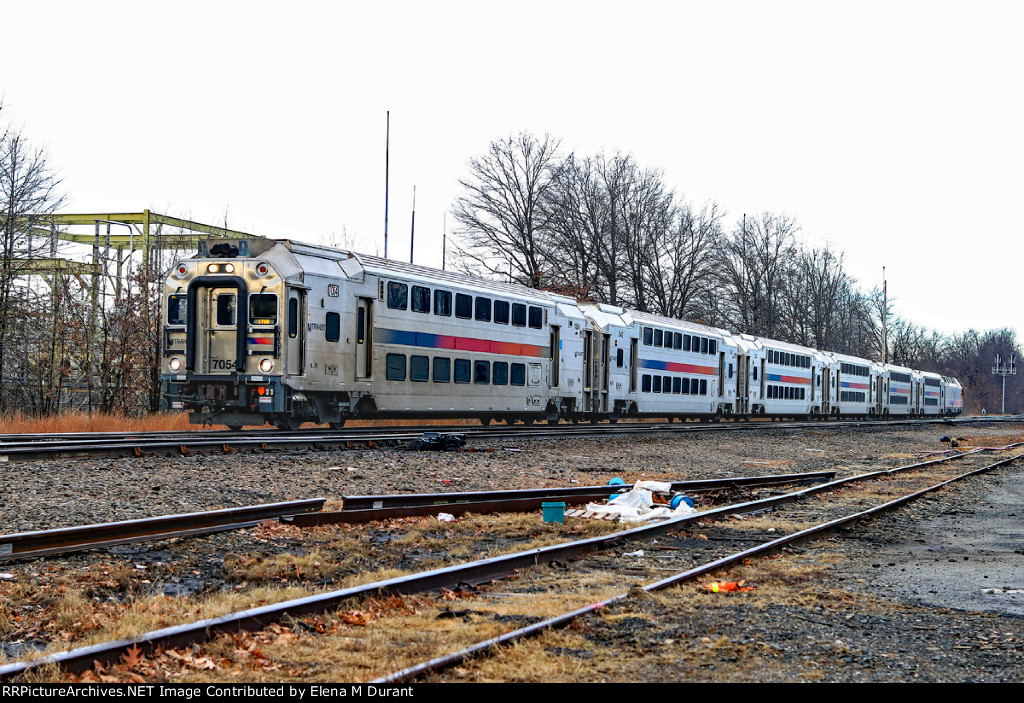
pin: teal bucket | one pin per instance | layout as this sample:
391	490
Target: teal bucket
553	512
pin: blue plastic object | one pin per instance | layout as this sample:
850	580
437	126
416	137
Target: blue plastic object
615	482
676	500
553	512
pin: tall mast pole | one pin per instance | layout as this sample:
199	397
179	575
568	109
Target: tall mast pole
412	232
387	175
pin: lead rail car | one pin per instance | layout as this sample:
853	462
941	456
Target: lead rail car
259	331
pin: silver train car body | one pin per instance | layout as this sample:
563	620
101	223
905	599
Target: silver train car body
276	331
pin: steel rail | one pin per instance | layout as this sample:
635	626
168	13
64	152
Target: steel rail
770	547
25	545
82	658
360	509
86	446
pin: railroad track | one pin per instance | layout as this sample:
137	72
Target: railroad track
23	448
845	511
308	513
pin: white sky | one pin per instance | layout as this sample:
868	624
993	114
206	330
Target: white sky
893	130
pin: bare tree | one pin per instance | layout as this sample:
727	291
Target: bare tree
29	191
499	212
755	262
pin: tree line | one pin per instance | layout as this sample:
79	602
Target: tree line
608	229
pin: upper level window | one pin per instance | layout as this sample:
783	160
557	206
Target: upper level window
536	317
657	337
443	303
483	309
463	306
648	336
420	299
518	315
398	296
501	310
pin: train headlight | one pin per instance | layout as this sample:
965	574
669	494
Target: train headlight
266	365
174	364
213	268
229	268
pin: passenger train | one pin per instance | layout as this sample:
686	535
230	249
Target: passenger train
259	330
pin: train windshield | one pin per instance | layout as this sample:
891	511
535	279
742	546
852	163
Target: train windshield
263	309
177	310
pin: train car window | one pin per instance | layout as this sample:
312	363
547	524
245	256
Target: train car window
730	370
483	309
482	372
262	309
443	303
703	345
463	370
463	306
518	315
333	327
685	390
500	312
686	342
518	375
666	384
645	383
657	384
677	340
703	386
500	373
177	309
226	309
536	317
396	367
293	318
398	296
442	369
619	357
677	385
657	337
419	368
420	299
712	346
755	373
648	336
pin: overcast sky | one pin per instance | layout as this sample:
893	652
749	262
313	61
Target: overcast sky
891	130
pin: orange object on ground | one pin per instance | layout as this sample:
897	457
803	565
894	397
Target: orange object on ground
727	586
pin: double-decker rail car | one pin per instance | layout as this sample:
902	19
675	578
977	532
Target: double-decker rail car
684	368
787	380
898	388
259	330
954	396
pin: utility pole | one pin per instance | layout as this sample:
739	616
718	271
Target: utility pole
387	174
412	230
885	314
1004	369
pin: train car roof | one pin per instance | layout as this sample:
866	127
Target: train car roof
662	321
414	272
775	343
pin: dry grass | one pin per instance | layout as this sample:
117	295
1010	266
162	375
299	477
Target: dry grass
82	422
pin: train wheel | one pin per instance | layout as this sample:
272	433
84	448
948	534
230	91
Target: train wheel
336	425
485	420
613	418
527	421
510	420
290	423
234	428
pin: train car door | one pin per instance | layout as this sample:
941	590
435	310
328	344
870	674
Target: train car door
634	350
742	380
825	379
221	335
555	354
364	339
295	345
